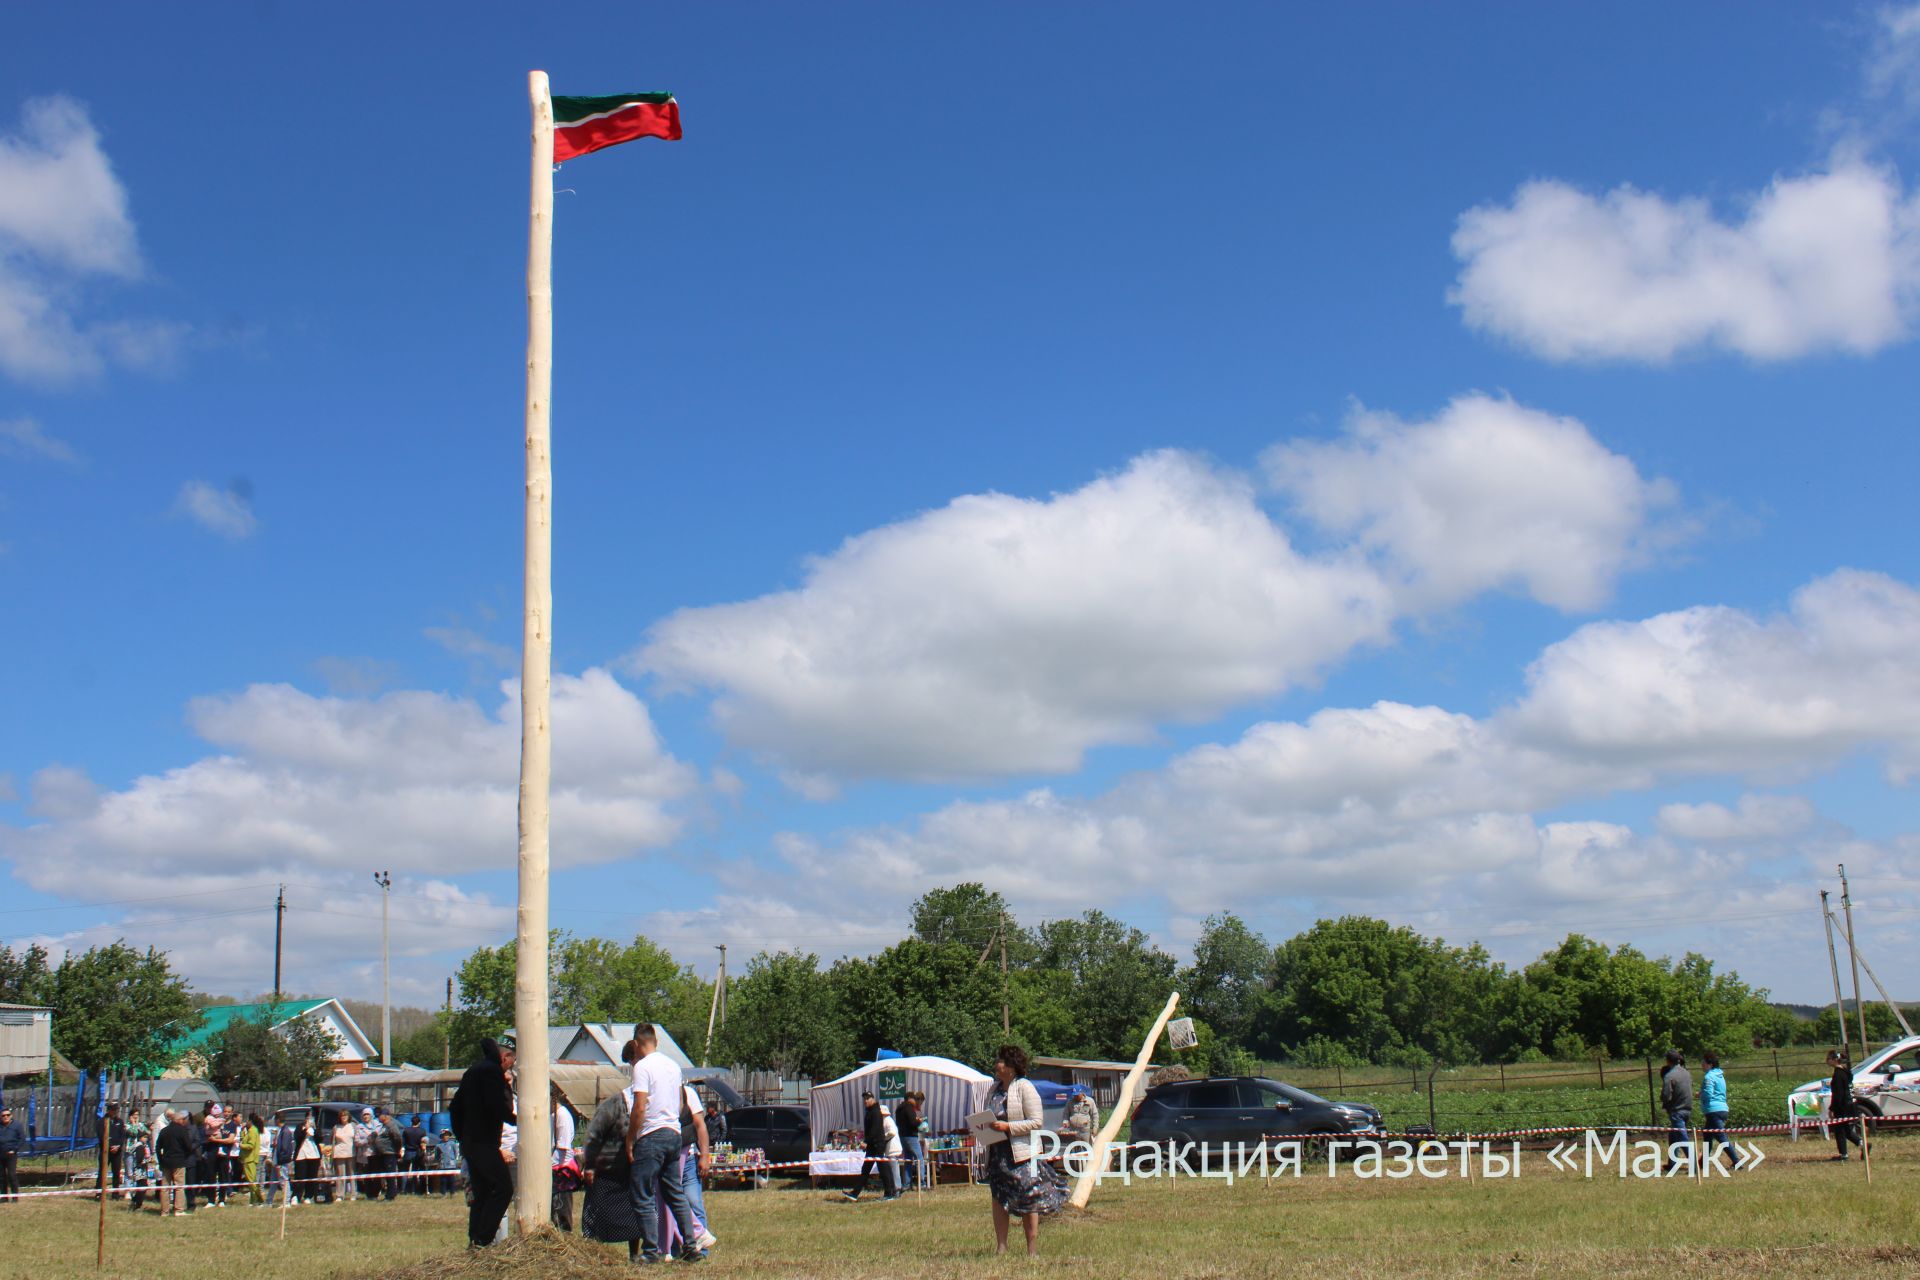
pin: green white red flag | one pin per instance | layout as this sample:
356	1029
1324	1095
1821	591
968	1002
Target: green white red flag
581	125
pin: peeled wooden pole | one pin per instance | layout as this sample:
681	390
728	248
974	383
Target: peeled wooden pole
533	1167
1097	1159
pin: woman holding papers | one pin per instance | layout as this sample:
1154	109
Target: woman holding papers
1020	1184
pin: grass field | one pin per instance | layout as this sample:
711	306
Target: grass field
1795	1215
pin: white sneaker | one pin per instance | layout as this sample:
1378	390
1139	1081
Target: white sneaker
705	1240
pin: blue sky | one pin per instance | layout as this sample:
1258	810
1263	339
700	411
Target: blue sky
1451	465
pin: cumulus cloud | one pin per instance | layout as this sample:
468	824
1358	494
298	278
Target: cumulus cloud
1489	494
64	225
1424	812
1713	689
219	934
1001	635
1826	261
1754	817
25	438
311	784
227	512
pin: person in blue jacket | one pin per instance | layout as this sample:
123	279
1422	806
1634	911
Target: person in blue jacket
1713	1101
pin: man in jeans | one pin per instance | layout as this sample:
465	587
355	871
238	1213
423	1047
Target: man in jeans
1676	1099
653	1147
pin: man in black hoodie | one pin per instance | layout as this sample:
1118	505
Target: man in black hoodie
876	1136
479	1111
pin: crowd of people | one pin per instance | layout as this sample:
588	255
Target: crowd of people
187	1163
639	1161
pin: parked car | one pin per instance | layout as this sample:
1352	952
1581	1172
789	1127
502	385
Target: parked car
1896	1067
784	1132
1228	1111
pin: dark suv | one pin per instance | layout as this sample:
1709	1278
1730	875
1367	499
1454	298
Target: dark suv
1247	1110
785	1133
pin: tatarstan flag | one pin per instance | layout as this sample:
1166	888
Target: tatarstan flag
581	125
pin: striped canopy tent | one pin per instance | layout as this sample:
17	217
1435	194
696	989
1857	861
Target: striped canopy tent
954	1091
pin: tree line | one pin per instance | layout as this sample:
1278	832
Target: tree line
1350	991
968	977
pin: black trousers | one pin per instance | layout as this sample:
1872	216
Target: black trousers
492	1186
1843	1131
9	1174
876	1160
379	1163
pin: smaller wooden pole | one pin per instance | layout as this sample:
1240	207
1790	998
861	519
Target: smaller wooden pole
1122	1107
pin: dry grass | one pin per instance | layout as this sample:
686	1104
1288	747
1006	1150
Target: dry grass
1796	1216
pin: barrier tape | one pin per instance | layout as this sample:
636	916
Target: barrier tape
952	1156
127	1190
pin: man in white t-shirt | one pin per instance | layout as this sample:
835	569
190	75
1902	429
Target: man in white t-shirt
653	1145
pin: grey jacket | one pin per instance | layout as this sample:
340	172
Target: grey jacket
1676	1090
606	1142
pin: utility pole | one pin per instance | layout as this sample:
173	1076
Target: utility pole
1833	962
1006	1009
385	882
713	1010
446	1055
279	933
1853	958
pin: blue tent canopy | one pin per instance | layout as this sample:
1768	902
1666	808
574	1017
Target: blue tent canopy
1053	1094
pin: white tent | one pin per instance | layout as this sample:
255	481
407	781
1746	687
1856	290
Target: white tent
954	1091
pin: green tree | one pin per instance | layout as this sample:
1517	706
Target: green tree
119	1009
1227	978
781	1017
485	1006
971	915
595	980
1380	992
24	975
425	1046
921	997
250	1053
1117	976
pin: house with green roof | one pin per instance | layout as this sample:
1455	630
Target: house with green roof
354	1054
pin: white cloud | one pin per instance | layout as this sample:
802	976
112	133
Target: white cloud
1002	635
63	225
1893	62
1755	817
1822	262
1713	689
218	931
227	512
1428	814
422	782
25	438
1488	494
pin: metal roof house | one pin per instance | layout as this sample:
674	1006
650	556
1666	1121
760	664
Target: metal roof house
600	1043
354	1051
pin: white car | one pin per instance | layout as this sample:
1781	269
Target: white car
1896	1067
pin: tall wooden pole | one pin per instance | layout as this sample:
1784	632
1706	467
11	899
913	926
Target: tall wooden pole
533	1173
1833	962
1853	959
